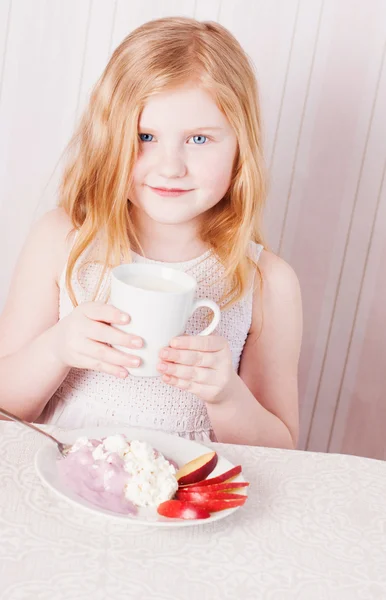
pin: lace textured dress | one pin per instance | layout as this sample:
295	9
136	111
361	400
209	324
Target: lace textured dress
89	398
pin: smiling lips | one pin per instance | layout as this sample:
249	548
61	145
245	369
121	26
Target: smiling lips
169	191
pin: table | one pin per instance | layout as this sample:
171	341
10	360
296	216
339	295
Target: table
313	528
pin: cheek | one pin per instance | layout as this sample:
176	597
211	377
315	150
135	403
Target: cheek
139	176
215	172
140	168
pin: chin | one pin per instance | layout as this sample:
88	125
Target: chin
170	215
171	219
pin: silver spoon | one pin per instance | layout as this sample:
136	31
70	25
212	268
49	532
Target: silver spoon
63	448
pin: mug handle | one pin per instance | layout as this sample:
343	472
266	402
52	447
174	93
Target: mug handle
216	316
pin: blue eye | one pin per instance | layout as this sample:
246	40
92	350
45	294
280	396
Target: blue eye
199	139
144	137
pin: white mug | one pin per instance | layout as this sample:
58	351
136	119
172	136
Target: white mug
159	300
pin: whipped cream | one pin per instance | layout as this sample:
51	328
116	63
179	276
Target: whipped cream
152	477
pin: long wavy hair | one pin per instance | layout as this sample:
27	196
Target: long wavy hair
160	55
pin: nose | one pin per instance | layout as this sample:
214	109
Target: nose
171	163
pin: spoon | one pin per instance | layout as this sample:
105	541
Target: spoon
63	448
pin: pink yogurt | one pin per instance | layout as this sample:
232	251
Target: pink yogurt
98	481
101	482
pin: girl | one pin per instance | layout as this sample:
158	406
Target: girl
166	167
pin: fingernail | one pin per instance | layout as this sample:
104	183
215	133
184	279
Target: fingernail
124	318
162	367
166	378
137	342
164	353
123	374
174	343
134	362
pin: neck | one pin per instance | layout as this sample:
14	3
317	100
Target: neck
167	242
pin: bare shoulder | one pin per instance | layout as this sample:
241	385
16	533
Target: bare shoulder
57	218
276	271
33	297
280	288
54	232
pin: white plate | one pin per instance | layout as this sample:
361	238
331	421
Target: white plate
174	447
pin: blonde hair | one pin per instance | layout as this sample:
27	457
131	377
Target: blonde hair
163	54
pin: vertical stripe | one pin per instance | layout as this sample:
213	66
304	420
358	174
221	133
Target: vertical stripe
300	130
113	27
338	287
218	19
354	323
83	58
5	48
284	86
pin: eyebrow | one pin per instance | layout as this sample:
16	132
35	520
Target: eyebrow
194	129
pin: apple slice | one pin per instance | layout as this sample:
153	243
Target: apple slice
227	486
231	474
200	497
197	469
177	509
216	504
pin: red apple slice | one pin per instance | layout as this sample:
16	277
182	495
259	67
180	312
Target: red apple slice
228	486
176	509
216	504
197	469
202	497
231	474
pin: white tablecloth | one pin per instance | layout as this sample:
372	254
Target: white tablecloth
313	528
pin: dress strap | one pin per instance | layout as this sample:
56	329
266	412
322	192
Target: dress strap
255	251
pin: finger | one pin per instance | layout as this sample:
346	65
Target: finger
107	368
189	357
106	313
107	334
205	392
182	384
202	343
194	374
101	354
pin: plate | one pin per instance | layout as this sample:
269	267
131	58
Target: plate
174	447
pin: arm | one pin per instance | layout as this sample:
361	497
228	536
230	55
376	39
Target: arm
37	350
29	372
260	405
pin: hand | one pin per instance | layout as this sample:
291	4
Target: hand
82	339
199	364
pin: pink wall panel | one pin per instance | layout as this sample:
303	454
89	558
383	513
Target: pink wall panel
322	73
322	195
360	417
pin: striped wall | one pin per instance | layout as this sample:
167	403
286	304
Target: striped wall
322	73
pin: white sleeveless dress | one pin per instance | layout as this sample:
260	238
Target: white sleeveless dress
88	398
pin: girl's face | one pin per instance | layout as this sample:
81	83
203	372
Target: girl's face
186	143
